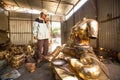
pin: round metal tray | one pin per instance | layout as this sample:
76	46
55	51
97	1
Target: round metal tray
59	62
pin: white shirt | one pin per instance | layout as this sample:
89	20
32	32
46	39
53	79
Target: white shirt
40	29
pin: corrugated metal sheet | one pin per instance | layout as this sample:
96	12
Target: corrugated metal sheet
20	30
108	15
69	25
108	35
109	26
3	27
63	26
3	20
21	26
20	15
88	10
56	18
20	39
66	29
64	32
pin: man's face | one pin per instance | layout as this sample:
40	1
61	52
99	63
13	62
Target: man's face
43	16
47	19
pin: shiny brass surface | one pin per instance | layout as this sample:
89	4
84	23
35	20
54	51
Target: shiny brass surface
18	57
17	60
17	64
91	69
30	50
86	67
79	53
2	55
118	56
90	72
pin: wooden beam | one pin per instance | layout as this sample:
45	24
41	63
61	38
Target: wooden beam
30	3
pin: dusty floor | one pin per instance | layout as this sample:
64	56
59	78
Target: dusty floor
45	72
42	72
114	70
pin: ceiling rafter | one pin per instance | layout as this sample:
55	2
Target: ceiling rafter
42	4
16	3
57	6
65	2
2	4
30	3
73	6
62	2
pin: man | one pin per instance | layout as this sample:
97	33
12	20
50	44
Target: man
47	21
41	34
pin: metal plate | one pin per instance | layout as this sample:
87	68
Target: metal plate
59	62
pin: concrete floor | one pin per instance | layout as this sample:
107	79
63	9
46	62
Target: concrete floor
42	72
114	70
45	72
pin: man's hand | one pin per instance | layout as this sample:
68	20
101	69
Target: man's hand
35	37
50	41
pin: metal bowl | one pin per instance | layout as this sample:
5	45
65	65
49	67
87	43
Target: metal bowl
59	62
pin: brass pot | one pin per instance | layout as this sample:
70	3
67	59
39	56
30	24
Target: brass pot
19	57
8	57
18	63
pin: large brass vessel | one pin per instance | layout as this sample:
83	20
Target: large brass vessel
79	53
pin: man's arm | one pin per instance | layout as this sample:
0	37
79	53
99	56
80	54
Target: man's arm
35	29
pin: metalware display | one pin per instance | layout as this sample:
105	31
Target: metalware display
16	55
18	60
